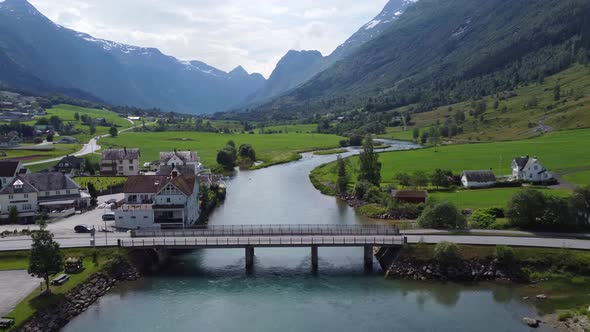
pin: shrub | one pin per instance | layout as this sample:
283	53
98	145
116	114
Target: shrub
442	216
506	256
361	188
373	210
565	315
482	218
447	254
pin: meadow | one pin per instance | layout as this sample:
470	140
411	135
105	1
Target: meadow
485	198
558	151
270	149
580	178
40	153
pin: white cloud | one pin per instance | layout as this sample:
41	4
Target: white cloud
222	33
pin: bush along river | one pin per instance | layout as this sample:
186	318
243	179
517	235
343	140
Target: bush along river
209	290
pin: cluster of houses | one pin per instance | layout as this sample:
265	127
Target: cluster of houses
15	107
524	169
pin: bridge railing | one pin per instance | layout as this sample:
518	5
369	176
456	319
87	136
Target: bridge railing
269	230
261	241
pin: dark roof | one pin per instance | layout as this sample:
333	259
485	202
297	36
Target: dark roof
183	170
8	168
186	184
410	194
145	184
10	189
521	162
73	162
7	138
186	156
119	154
50	181
480	176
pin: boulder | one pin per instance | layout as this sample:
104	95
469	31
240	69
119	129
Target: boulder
531	322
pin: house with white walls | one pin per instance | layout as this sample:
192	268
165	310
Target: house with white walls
530	170
180	163
120	162
478	179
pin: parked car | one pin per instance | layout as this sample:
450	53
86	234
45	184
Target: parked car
111	201
82	229
108	216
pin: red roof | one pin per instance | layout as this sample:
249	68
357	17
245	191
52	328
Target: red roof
410	194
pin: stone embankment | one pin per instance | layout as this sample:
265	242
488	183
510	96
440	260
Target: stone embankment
78	300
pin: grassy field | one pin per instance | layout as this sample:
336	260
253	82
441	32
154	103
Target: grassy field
33	302
100	182
296	128
558	151
484	198
329	152
579	178
270	149
51	151
66	114
397	133
512	119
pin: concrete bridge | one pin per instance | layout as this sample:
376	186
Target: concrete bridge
250	237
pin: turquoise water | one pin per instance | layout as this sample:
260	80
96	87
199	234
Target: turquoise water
209	290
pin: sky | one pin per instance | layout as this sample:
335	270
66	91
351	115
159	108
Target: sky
222	33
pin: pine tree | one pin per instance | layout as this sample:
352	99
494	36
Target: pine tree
370	167
342	182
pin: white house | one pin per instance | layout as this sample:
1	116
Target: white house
31	193
478	179
530	170
159	201
180	163
120	162
9	169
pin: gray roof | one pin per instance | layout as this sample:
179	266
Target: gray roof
50	181
10	189
183	170
120	154
72	161
480	176
8	168
521	162
186	156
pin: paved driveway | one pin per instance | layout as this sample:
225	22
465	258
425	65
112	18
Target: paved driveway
15	286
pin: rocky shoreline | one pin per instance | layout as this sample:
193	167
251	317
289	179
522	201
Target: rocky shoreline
78	300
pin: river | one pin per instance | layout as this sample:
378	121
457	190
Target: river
209	290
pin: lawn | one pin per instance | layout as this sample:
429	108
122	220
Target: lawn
484	198
100	182
44	152
579	178
295	128
329	152
33	301
558	151
397	133
270	149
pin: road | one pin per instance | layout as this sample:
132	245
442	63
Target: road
15	286
88	148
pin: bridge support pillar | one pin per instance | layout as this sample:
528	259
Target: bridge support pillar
368	258
249	257
314	258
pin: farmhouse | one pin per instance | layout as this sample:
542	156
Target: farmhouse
9	140
67	140
530	170
158	201
478	179
121	162
9	169
70	165
180	163
30	193
410	196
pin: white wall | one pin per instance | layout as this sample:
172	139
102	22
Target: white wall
134	218
26	206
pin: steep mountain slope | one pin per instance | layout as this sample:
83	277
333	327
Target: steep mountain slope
440	52
297	67
39	55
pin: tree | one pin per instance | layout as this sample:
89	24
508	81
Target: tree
442	216
506	257
416	134
13	215
370	167
49	138
526	208
557	92
93	194
92	129
77	116
404	179
343	178
434	136
420	179
228	156
113	131
46	258
579	204
246	151
440	178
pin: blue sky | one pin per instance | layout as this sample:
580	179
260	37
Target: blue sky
222	33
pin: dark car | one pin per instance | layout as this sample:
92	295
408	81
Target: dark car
82	229
111	201
108	216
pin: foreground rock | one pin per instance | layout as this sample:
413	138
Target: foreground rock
531	322
78	300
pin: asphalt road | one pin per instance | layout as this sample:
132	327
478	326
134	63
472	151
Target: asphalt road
14	286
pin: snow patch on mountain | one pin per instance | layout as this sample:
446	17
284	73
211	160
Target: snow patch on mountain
372	24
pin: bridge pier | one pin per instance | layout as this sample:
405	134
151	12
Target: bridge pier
314	258
368	258
249	257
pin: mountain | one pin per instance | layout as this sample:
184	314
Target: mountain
38	55
297	67
445	51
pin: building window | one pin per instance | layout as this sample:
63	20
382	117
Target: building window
57	192
144	217
67	191
168	200
130	168
10	196
26	195
47	193
133	217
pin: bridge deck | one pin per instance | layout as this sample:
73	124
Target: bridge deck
262	241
